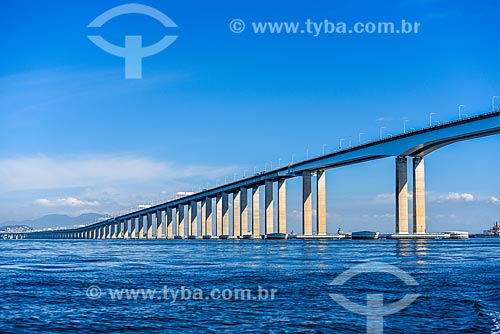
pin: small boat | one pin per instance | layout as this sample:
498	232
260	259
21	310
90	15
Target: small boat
224	236
206	237
458	234
276	236
365	235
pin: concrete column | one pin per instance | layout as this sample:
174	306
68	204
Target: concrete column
181	229
168	223
118	230
401	195
133	228
203	208
209	216
218	215
419	225
102	232
225	214
256	211
140	227
149	224
282	206
269	207
244	211
125	229
321	202
112	230
159	224
306	203
237	213
193	218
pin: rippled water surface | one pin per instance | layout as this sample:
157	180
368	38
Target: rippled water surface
45	285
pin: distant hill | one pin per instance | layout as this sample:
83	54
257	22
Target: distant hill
55	221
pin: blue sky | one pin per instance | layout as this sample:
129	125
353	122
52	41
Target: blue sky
76	136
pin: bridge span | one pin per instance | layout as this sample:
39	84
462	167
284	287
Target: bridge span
168	220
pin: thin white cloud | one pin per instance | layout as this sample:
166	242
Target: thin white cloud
452	197
384	119
385	198
494	200
70	201
43	173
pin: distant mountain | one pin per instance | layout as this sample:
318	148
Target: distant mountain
52	221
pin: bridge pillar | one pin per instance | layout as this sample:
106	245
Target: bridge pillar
181	229
210	220
125	230
140	227
243	211
133	228
109	231
149	224
168	223
112	231
269	207
193	218
218	215
306	203
321	202
419	225
159	224
225	213
256	211
203	208
282	206
237	213
401	195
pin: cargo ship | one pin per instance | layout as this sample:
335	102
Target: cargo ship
493	232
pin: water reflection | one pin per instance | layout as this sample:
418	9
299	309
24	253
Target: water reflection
413	248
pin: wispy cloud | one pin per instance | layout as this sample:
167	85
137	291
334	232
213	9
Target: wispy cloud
70	201
452	197
42	172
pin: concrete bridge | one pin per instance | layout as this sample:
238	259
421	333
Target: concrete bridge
169	220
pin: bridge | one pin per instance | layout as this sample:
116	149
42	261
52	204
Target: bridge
168	220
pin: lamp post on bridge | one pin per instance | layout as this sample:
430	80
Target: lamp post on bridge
493	102
359	137
340	143
460	111
381	128
430	118
404	125
324	148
